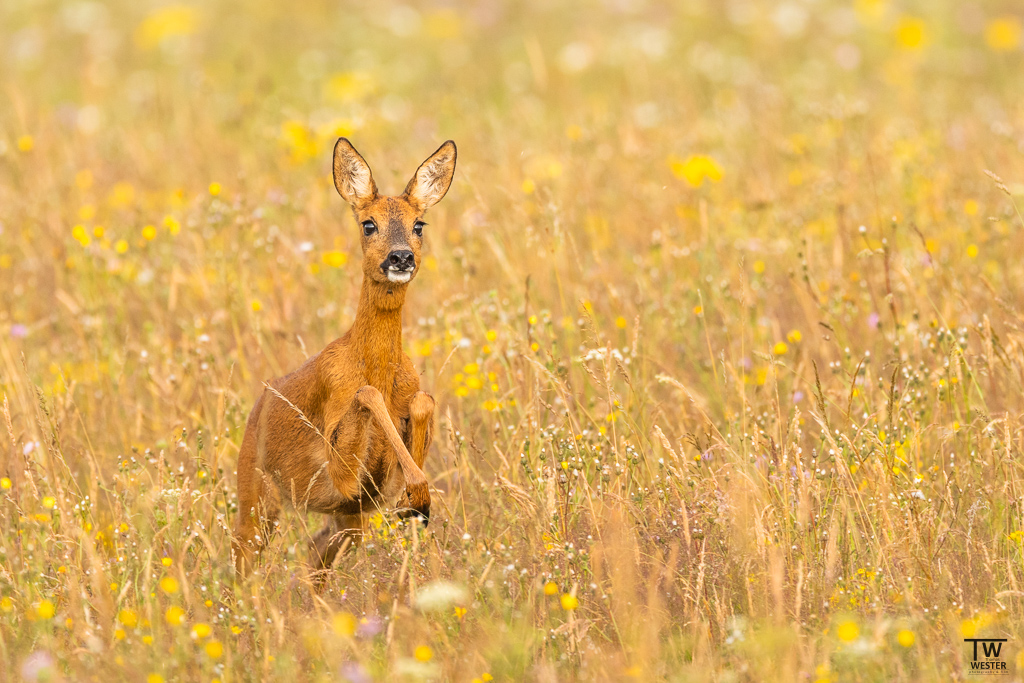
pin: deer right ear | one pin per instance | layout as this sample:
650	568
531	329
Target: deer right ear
352	176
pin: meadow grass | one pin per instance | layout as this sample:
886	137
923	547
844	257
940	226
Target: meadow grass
722	315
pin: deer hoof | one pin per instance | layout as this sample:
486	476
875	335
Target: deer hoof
422	515
416	502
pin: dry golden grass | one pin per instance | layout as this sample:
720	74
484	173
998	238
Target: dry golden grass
722	313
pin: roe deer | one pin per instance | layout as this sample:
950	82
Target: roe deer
349	430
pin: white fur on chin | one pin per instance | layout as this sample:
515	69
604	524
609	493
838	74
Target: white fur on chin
399	276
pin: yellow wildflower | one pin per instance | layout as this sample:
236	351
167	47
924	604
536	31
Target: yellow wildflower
81	235
214	649
1004	34
166	22
695	169
172	225
175	615
45	609
848	631
335	258
344	624
911	33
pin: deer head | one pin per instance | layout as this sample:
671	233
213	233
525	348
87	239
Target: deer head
391	227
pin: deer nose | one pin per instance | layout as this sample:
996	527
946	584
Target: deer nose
402	259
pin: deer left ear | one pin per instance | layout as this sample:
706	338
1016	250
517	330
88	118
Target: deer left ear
433	178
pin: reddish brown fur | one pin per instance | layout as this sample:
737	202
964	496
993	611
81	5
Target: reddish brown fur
371	425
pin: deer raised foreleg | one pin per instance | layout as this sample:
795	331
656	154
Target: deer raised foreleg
347	442
417	489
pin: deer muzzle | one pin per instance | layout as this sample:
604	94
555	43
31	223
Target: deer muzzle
399	265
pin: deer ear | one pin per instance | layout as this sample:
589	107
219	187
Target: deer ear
433	178
352	176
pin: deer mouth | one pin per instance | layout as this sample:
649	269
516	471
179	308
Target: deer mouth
399	276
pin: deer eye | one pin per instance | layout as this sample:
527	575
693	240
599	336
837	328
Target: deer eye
369	227
418	228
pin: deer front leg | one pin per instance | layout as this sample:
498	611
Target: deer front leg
417	489
420	432
347	444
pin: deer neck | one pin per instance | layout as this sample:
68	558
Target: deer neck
377	331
